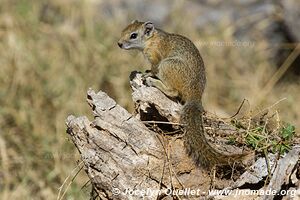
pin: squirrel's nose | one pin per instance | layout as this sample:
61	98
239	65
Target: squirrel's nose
120	44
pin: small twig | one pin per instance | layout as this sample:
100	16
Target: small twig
268	166
173	132
180	183
249	125
171	170
232	170
62	186
169	167
213	177
239	109
161	122
162	174
86	184
167	157
268	108
277	120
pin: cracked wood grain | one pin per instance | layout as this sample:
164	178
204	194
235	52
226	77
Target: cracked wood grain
121	153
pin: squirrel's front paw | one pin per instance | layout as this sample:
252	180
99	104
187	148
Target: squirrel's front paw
146	75
148	81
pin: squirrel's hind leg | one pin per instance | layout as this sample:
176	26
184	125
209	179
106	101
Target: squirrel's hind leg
162	87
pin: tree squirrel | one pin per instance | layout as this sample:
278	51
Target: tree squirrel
179	67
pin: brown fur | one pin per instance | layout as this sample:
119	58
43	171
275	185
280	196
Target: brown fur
177	63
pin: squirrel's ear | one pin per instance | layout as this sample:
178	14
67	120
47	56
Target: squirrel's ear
134	21
149	27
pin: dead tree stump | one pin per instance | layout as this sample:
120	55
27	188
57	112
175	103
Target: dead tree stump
142	156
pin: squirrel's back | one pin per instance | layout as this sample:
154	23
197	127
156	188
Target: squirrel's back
164	46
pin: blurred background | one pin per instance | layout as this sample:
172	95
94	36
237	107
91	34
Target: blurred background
51	52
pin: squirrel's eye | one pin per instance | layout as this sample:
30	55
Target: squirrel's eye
133	35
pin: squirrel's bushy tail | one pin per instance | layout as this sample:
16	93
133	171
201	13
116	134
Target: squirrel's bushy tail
195	140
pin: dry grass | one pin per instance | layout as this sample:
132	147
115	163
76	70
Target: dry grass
50	56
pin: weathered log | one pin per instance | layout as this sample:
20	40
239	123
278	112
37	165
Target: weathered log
122	155
142	156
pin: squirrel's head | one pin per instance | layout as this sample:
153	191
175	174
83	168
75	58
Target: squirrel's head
136	34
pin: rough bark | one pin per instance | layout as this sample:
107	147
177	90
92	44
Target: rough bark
142	156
